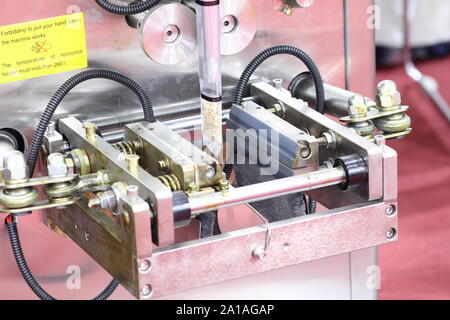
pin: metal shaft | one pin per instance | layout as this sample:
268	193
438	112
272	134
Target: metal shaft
268	190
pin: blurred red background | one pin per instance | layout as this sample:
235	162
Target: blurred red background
418	265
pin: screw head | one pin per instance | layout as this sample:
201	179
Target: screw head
391	233
144	265
146	291
304	151
391	210
260	253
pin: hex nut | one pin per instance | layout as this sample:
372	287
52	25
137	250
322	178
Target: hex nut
388	96
107	199
357	106
56	165
15	167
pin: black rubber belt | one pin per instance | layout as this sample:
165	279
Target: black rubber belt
210	99
207	3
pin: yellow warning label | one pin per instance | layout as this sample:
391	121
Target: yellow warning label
42	47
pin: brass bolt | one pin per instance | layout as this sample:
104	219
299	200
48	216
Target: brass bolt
133	163
224	185
287	10
192	187
90	130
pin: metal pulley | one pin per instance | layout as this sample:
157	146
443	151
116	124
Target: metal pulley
238	25
168	36
167	32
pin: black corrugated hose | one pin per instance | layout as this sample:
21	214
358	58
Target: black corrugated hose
10	221
65	89
127	10
11	225
263	56
312	205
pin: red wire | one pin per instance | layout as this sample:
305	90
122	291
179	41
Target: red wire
9	219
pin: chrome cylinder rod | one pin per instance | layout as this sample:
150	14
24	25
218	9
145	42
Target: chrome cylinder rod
267	190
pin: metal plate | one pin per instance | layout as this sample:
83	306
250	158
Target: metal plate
229	256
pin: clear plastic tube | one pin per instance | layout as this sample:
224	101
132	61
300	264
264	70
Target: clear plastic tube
210	74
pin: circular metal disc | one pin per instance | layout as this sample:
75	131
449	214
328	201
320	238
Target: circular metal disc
238	25
168	33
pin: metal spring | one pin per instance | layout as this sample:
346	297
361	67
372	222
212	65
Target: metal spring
129	147
171	181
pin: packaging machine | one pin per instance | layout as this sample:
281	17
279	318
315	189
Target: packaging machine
195	149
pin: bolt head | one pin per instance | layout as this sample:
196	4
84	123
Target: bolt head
56	165
357	106
387	87
224	184
388	95
146	290
391	210
391	234
144	265
104	200
304	150
15	167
